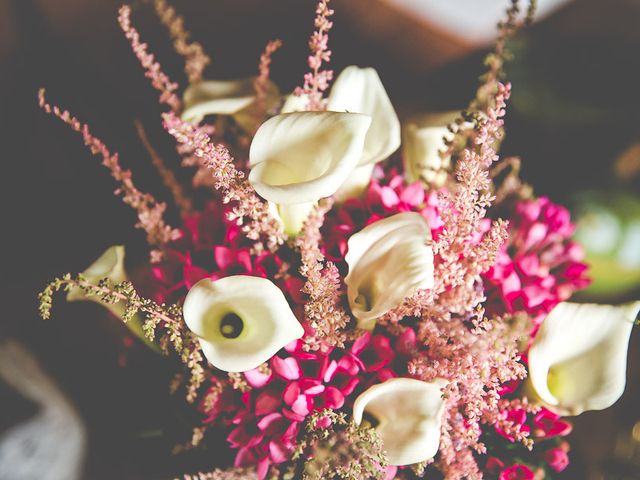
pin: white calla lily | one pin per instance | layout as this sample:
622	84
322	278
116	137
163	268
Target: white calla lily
423	140
241	321
407	414
225	97
388	261
110	265
577	361
298	158
360	90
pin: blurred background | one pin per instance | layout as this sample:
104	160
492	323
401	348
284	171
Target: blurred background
574	118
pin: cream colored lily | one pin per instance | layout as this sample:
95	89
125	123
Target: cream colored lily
298	158
241	321
578	359
423	140
407	414
225	97
110	265
388	261
359	90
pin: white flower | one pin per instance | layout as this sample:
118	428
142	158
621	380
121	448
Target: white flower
407	414
388	261
241	321
225	97
298	158
359	90
109	265
578	359
423	138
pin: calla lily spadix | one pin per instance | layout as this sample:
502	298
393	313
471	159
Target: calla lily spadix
388	261
407	415
241	321
109	265
578	359
225	97
423	138
298	158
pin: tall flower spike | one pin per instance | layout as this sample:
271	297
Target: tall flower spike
578	359
241	321
407	414
298	158
388	261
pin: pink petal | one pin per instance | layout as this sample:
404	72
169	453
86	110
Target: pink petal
278	452
291	393
267	402
287	368
269	421
413	194
223	256
256	378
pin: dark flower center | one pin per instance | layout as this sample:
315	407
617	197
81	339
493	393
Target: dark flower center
231	326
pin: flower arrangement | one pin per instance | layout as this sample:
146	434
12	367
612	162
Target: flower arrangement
357	299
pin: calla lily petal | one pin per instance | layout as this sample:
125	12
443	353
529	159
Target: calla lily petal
222	97
407	414
299	158
295	103
241	321
423	138
109	265
388	261
577	361
360	90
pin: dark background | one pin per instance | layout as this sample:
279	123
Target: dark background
574	110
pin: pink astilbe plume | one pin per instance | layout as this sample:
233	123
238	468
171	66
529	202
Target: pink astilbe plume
324	312
150	211
250	211
261	83
159	79
196	60
317	81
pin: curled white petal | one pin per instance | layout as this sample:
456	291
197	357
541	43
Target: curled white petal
299	158
109	265
577	361
222	97
407	414
241	321
360	90
423	138
388	261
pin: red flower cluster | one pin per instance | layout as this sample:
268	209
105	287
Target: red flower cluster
540	266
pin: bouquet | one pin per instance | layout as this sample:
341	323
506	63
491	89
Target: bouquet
354	298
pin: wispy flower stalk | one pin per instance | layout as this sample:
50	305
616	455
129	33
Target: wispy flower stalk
261	83
317	81
150	211
250	211
153	71
324	310
196	60
169	179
